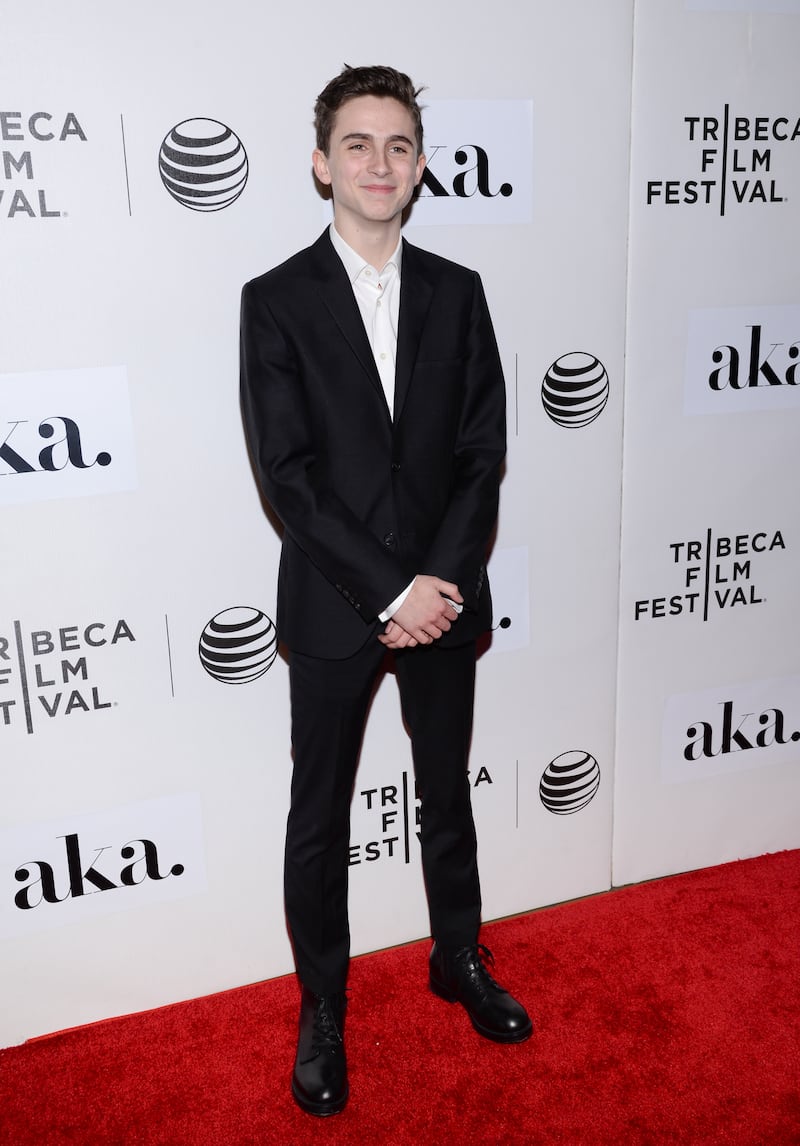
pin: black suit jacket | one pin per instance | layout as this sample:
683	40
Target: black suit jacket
367	500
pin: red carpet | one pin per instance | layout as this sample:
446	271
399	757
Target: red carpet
666	1013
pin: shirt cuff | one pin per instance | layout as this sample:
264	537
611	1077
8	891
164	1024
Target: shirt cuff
391	609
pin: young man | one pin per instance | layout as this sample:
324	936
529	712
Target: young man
374	405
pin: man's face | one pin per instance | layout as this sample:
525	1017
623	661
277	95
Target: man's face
372	164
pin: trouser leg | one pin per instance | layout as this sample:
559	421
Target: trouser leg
437	689
329	704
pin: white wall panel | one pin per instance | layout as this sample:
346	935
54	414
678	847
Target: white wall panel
708	682
109	276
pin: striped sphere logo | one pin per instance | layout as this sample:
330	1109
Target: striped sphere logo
238	645
569	782
203	164
575	389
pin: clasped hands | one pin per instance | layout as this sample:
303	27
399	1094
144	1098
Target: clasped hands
424	615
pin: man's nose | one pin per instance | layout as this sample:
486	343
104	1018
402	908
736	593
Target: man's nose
380	165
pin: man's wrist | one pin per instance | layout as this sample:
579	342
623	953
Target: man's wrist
392	608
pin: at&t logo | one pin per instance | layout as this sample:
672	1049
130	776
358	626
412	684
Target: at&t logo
575	389
238	645
569	782
203	164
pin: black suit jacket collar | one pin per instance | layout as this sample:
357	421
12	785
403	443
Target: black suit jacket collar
416	291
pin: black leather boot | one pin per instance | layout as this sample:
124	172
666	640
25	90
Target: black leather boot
460	976
319	1081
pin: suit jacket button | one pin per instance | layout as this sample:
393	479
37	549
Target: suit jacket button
388	539
395	467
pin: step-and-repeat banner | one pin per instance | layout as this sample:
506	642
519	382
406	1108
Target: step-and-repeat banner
151	165
709	671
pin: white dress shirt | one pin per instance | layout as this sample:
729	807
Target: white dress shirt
377	293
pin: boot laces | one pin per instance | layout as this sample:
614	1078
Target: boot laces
326	1031
481	959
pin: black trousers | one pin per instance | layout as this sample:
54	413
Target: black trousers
330	699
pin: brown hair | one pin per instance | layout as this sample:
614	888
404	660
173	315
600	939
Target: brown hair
352	82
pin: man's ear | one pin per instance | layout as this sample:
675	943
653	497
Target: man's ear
319	162
421	161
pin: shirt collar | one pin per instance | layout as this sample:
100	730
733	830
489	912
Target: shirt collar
354	264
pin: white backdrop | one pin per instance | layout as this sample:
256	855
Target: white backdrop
143	799
708	669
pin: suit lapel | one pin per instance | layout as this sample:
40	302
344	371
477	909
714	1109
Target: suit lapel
336	292
416	291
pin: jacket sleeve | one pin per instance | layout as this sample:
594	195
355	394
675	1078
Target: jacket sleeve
280	431
458	549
